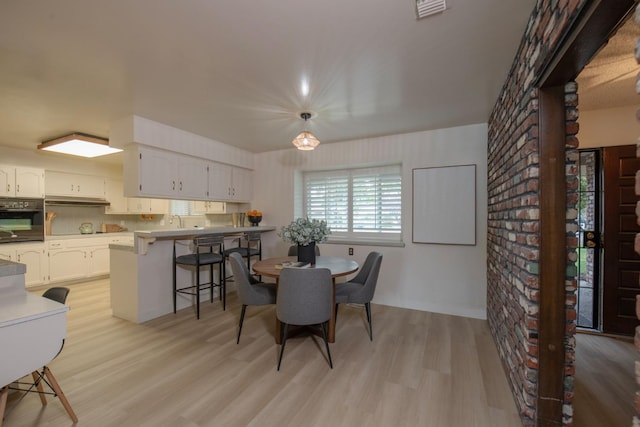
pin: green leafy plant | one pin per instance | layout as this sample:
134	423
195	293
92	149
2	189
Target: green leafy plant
303	231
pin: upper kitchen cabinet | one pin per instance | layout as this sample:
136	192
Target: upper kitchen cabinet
18	181
230	183
114	194
151	172
70	184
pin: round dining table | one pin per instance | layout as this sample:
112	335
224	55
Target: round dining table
339	267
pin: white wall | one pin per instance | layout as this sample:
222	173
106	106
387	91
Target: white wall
608	127
440	278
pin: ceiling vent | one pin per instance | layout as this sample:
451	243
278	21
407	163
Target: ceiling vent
426	8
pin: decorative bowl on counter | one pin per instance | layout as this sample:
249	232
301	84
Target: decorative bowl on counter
254	219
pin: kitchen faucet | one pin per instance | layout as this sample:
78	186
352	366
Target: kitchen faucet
179	220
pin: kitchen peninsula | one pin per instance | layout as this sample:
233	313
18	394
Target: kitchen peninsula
142	273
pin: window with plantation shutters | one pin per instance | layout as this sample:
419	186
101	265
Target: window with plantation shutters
364	203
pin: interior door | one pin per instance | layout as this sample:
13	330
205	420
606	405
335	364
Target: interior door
621	269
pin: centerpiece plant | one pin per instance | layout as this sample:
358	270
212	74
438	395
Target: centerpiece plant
305	233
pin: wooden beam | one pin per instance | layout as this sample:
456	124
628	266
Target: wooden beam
553	205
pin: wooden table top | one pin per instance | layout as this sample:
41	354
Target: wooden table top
338	266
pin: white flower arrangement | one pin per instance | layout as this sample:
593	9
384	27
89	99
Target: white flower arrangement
303	231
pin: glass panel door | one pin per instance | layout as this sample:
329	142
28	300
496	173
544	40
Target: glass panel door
589	248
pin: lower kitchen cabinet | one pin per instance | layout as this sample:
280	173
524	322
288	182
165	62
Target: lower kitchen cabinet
66	261
33	255
82	258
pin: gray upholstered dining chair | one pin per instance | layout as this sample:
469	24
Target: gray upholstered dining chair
293	250
361	288
250	291
304	298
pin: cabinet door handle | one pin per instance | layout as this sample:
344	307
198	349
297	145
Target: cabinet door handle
17	188
173	185
180	185
8	188
78	188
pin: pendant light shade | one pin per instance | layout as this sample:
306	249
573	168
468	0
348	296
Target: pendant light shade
305	140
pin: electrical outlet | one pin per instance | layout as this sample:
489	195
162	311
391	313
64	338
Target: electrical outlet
350	251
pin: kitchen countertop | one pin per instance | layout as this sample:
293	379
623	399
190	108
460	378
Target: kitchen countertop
86	236
196	231
145	238
10	268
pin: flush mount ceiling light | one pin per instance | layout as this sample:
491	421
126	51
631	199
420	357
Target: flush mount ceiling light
305	140
79	144
426	8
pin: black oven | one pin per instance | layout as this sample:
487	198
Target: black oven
21	220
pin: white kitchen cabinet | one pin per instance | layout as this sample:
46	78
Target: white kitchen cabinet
120	205
76	259
35	258
230	183
98	257
18	181
209	207
33	255
66	263
114	194
70	184
7	252
139	205
159	173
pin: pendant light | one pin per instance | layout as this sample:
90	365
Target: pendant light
305	140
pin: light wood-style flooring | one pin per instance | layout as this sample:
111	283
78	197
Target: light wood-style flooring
422	369
604	381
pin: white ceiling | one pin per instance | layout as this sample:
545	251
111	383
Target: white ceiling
232	70
609	80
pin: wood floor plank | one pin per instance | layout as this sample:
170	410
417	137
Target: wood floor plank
179	371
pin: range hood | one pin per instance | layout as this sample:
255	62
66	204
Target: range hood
74	201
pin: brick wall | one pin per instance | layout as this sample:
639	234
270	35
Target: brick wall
513	211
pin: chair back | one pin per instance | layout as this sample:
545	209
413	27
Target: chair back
58	294
209	243
293	250
368	277
304	296
244	283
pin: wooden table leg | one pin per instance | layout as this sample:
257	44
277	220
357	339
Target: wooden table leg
332	320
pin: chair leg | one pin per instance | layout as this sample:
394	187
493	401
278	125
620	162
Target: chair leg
284	341
244	308
326	343
223	284
37	381
4	393
211	283
367	307
174	280
197	288
56	388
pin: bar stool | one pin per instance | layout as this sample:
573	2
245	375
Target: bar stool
252	247
209	250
